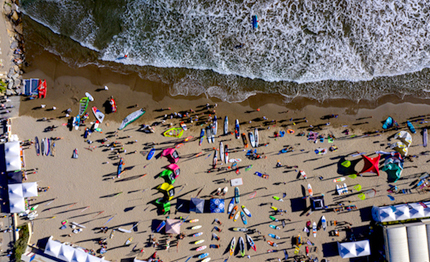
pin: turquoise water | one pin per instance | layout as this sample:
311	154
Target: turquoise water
318	49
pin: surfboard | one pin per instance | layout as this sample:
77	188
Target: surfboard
221	152
98	114
425	137
340	179
246	211
232	245
236	216
226	125
37	145
251	139
323	223
256	137
90	97
42	146
230	206
242	246
201	248
215	160
174	132
237	129
203	255
212	137
251	242
244	220
234	160
209	134
314	229
311	193
133	117
196	227
199	241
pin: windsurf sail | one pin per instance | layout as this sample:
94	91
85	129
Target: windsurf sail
83	104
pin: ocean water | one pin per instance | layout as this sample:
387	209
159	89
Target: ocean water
322	49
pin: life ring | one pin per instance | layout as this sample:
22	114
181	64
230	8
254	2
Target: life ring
290	131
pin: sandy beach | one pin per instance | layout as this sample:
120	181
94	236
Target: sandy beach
76	184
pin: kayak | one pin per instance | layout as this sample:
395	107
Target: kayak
244	220
230	206
244	140
240	229
83	104
150	154
90	97
251	242
237	129
256	137
251	139
202	136
242	246
131	118
98	114
174	132
236	195
246	211
226	125
226	153
323	223
232	245
37	146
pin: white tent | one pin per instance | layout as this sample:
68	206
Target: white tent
417	242
52	247
12	156
15	191
402	212
79	256
29	189
396	244
362	248
66	253
383	214
91	258
16	205
347	249
416	210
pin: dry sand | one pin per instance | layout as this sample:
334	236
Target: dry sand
86	181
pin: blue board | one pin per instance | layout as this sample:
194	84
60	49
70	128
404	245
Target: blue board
254	21
150	154
411	127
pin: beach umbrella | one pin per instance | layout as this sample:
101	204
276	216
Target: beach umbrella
52	248
197	205
173	226
217	205
29	189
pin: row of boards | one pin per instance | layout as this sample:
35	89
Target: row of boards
45	146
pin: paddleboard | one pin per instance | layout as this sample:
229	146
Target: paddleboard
240	229
221	152
198	234
202	136
234	160
244	220
42	146
193	221
230	206
256	137
203	255
131	118
232	245
150	154
215	160
196	227
83	104
244	140
226	125
242	246
246	211
212	133
98	114
199	241
209	134
201	248
324	223
425	135
236	216
233	212
47	146
226	154
236	195
251	139
340	179
37	145
251	242
314	229
90	97
236	129
174	132
215	126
